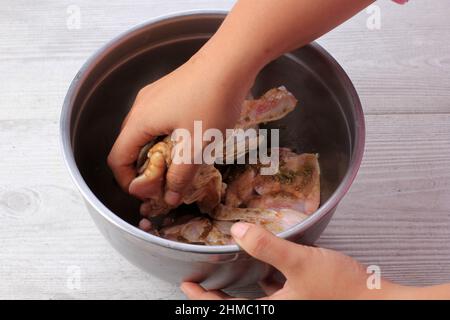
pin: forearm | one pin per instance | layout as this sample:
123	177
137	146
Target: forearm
398	292
438	292
258	31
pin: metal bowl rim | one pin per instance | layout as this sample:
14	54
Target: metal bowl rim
89	196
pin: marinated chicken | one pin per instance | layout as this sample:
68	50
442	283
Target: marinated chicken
240	193
199	230
296	186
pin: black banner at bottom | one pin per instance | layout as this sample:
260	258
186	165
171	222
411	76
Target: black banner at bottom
230	309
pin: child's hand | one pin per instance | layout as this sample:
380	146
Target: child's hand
311	273
204	89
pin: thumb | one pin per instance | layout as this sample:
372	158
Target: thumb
178	179
183	167
284	255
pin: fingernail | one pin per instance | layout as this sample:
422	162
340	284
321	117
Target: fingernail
239	229
172	198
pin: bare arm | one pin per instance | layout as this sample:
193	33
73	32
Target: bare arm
258	31
438	292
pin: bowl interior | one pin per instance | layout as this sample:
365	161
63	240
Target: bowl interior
323	123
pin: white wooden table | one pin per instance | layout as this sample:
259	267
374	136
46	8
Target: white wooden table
397	214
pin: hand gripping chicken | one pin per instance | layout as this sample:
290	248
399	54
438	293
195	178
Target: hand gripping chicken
276	201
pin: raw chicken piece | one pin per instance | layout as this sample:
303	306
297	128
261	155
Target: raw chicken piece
274	221
273	105
276	202
240	188
216	230
207	185
199	230
295	186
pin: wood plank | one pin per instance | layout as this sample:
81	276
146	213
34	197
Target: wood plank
402	68
397	213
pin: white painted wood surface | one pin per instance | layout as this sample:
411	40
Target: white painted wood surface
397	214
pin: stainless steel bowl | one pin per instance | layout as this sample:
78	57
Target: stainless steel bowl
329	121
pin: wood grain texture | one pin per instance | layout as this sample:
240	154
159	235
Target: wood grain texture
396	215
404	66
